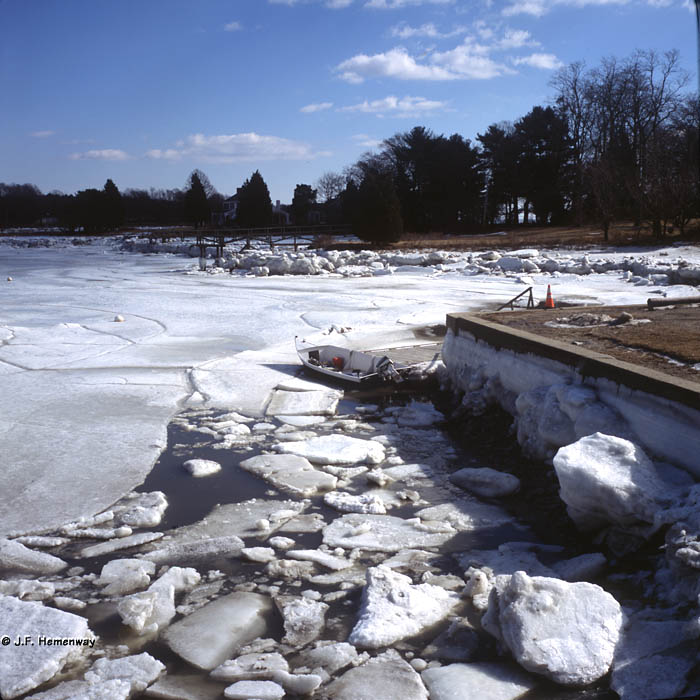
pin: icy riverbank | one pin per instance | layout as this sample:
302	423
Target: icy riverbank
284	592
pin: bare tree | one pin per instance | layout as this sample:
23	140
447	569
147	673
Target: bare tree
330	185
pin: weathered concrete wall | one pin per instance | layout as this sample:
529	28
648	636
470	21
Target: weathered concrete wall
559	393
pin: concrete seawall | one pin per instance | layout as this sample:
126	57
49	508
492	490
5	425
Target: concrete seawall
558	392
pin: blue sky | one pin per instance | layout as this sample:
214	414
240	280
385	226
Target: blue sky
144	91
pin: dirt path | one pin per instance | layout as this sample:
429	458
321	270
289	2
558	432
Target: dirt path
665	339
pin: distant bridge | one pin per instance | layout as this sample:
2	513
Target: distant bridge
212	237
270	235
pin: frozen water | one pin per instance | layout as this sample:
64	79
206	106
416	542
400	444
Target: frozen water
565	631
320	402
350	503
121	576
477	680
486	482
387	673
220	533
304	619
330	561
652	659
605	479
290	473
201	467
254	690
341	450
212	634
383	533
330	656
98	550
14	556
139	671
393	608
25	667
184	687
250	667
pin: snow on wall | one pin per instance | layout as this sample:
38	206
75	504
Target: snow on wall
554	405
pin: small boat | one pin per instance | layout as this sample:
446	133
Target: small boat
353	366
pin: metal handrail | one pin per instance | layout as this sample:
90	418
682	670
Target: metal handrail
511	303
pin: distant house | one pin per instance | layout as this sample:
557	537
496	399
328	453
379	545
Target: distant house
230	209
280	215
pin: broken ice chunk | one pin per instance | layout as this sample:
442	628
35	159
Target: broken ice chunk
394	609
290	473
304	619
486	482
321	402
141	509
16	557
97	550
349	503
121	576
250	667
24	667
478	680
383	533
336	449
565	631
254	690
201	467
212	634
386	675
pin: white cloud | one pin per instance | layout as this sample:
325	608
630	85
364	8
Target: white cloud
516	39
316	107
233	27
470	60
395	4
230	148
396	63
103	154
367	141
537	8
167	154
43	134
545	61
338	4
429	30
401	107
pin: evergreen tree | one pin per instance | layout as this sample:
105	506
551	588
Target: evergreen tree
377	216
196	206
254	203
303	202
113	206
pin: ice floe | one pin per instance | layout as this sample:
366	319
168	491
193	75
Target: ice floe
340	450
393	608
24	667
477	680
212	634
605	479
565	631
201	467
290	473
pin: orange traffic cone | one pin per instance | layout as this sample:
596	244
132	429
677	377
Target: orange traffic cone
549	302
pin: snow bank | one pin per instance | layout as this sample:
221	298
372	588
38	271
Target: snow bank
553	405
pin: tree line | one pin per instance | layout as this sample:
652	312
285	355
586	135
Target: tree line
618	141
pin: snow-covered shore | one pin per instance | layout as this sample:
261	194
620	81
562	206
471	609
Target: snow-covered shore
84	409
